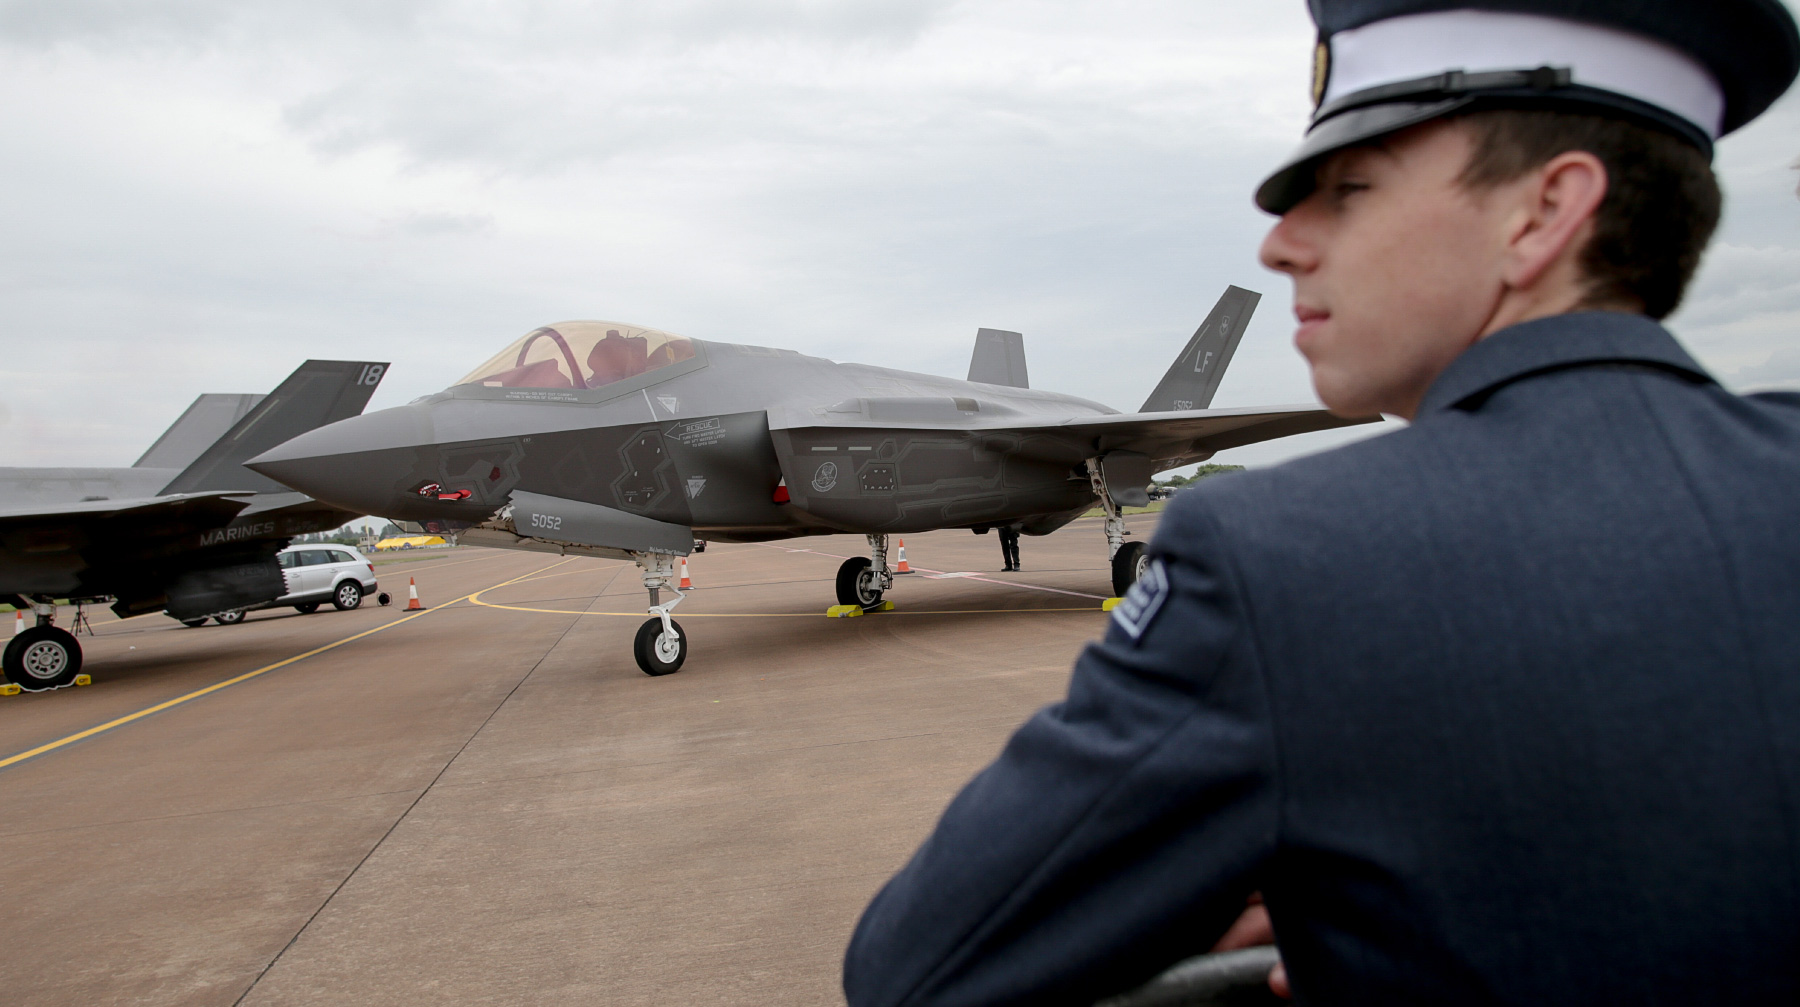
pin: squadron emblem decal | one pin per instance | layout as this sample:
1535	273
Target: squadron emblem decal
825	479
1140	605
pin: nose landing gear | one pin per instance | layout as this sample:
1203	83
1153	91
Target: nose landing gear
1128	558
661	646
863	580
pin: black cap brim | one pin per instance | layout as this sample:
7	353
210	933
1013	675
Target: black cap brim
1294	181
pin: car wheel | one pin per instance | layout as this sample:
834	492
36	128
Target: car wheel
348	596
307	607
229	618
42	657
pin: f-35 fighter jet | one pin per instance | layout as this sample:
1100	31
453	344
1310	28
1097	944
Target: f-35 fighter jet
608	439
187	529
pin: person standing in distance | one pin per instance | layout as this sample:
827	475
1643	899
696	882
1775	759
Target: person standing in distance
1009	547
1500	708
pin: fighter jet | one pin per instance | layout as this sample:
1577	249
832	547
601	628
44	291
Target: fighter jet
187	529
608	439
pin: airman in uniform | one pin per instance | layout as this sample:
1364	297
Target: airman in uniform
1500	708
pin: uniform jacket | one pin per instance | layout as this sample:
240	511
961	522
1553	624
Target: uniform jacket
1501	708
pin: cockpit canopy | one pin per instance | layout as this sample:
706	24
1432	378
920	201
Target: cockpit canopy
580	355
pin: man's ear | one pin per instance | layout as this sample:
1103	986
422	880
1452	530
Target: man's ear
1551	221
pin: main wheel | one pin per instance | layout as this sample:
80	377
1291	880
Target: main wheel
229	618
857	584
1128	564
655	652
307	607
348	596
42	657
194	623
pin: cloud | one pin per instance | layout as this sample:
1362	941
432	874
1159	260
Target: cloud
1742	316
202	194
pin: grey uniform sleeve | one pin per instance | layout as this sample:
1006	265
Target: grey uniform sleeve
1118	832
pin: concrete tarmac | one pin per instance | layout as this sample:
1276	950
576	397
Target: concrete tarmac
489	803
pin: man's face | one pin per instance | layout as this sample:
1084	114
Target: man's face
1396	268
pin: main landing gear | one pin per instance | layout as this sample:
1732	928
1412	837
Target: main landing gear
44	656
1129	560
661	646
863	580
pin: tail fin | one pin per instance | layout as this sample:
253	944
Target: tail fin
317	393
204	422
1194	376
999	358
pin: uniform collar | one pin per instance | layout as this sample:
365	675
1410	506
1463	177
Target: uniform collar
1555	343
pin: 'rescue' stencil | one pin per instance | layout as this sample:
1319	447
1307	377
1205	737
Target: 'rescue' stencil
1140	605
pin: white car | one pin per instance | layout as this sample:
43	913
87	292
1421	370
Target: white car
316	574
325	573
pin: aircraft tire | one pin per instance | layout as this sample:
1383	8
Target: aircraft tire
307	607
1128	565
347	596
856	583
42	657
229	618
654	654
194	623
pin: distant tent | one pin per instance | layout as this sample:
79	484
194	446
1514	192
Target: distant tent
409	542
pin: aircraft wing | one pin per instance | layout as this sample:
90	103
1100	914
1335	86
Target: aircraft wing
1169	439
73	526
1173	439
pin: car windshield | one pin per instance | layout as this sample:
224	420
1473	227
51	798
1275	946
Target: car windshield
580	355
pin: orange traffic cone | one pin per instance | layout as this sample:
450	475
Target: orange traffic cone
18	622
412	595
686	584
903	568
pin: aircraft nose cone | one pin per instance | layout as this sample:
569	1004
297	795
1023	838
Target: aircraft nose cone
365	463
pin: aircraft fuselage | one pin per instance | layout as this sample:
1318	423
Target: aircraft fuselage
709	446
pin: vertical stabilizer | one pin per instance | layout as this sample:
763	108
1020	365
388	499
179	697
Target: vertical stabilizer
1194	376
204	422
999	358
317	393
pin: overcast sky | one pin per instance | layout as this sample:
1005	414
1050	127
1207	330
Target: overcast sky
202	194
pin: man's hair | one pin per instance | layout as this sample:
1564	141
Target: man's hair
1662	199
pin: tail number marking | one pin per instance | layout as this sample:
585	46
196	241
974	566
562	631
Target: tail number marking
371	374
546	522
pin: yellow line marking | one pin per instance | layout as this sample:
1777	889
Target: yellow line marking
196	694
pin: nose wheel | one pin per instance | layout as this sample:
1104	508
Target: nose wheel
657	652
661	647
862	580
1128	564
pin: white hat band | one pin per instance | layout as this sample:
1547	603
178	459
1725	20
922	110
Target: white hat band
1421	45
